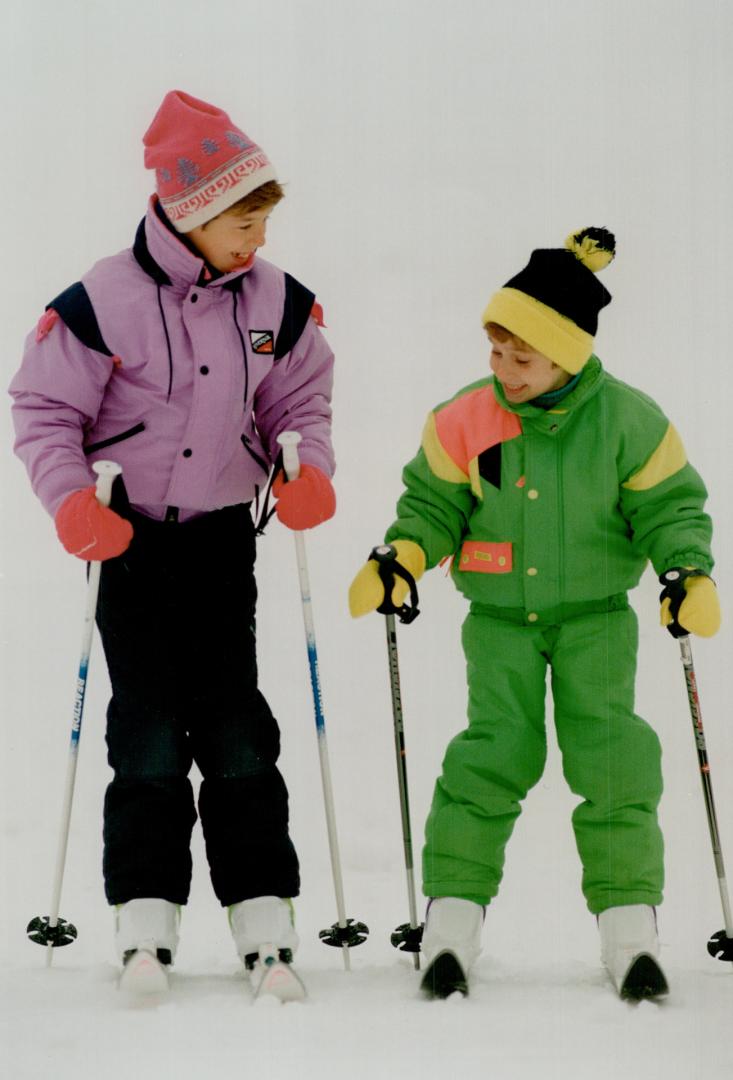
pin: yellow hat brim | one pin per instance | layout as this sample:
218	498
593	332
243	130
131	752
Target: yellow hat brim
551	334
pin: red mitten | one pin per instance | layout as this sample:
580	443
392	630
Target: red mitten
89	530
306	501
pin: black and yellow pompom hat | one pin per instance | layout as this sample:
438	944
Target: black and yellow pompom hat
553	303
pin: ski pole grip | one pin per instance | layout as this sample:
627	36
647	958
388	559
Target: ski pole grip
385	557
384	554
291	462
674	590
106	472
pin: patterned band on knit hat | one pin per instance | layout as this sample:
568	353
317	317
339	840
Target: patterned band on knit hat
203	162
553	303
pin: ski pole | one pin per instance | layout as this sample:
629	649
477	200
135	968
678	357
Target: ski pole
345	932
720	944
50	930
408	936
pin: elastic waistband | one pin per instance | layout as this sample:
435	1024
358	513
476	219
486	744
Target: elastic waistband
171	523
171	518
553	616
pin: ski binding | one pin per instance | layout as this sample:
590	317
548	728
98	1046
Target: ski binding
273	976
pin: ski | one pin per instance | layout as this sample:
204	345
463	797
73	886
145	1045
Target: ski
143	974
444	977
644	980
273	976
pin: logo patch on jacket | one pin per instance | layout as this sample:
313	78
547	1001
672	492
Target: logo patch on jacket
262	341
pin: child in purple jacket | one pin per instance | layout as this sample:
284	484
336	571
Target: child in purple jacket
183	358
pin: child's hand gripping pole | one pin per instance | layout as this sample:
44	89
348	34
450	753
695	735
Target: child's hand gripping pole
720	943
408	936
389	568
345	933
50	930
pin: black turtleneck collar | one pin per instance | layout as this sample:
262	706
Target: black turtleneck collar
142	254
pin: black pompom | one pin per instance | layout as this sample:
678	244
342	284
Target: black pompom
595	247
604	238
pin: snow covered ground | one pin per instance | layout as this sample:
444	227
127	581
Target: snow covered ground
427	148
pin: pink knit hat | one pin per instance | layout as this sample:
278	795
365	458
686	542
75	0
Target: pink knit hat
203	163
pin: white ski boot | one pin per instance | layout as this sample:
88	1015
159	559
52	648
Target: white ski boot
266	940
451	943
630	951
146	937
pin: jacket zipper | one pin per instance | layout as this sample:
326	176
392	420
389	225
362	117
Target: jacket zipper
167	345
560	522
244	348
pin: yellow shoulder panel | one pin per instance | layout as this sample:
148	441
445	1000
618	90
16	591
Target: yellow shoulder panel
668	458
443	466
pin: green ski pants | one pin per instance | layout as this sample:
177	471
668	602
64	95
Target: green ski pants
611	758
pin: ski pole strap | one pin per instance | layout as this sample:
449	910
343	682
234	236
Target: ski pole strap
674	591
389	568
264	514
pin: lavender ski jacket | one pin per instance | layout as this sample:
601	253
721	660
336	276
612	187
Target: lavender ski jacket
186	382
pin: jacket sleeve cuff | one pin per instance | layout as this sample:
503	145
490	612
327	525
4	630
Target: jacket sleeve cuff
53	488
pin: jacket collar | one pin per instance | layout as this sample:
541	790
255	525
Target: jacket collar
168	260
588	385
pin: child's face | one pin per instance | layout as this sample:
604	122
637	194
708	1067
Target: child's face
229	241
523	372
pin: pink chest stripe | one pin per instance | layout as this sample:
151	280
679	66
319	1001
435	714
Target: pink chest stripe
474	423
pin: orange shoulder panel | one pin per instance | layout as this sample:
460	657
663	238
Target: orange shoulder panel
473	423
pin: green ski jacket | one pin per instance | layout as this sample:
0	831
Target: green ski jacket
541	510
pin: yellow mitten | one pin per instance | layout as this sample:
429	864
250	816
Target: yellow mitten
699	611
367	591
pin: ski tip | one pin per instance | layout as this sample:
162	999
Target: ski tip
280	984
444	978
143	976
644	980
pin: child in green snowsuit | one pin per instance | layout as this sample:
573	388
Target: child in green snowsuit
550	486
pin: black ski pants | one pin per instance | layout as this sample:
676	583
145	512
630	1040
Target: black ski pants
176	615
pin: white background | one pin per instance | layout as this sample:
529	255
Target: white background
426	149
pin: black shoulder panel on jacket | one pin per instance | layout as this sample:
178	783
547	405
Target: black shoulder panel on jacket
145	259
75	308
298	306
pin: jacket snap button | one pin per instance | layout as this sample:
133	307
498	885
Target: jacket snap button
532	617
187	453
204	370
194	298
533	494
532	571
